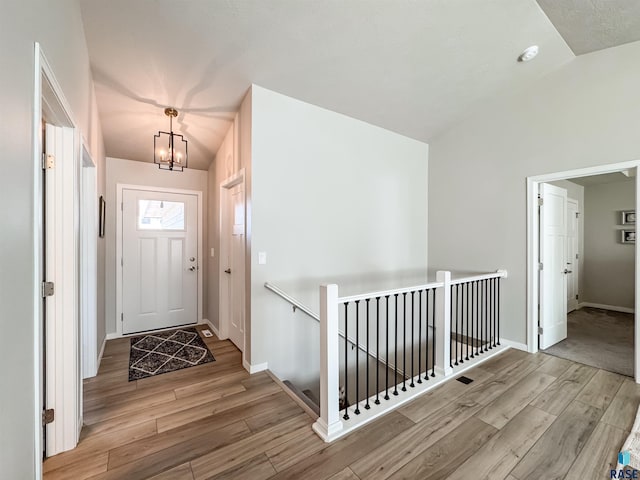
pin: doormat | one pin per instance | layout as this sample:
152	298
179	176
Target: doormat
163	352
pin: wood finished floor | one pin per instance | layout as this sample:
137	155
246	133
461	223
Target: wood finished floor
524	417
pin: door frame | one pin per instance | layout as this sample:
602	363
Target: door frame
223	279
575	265
119	188
63	335
533	248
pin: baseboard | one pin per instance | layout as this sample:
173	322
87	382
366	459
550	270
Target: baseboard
613	308
211	326
260	367
516	345
112	336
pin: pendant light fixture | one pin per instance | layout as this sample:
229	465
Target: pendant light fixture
170	149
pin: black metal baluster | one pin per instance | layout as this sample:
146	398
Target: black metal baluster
377	401
476	340
456	322
404	342
386	370
491	335
466	286
426	354
460	295
472	339
395	349
433	338
412	331
486	319
498	309
346	361
420	334
366	405
481	313
357	410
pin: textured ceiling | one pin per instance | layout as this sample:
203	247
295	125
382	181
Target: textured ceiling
590	25
414	67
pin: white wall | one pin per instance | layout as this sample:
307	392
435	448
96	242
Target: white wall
333	198
576	192
58	28
584	114
147	174
609	264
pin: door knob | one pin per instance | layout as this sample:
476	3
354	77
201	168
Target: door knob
567	271
192	268
228	270
192	259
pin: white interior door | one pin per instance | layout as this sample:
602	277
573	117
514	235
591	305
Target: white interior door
236	265
159	260
572	254
553	276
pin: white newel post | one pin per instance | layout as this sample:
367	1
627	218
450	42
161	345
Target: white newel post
329	424
443	324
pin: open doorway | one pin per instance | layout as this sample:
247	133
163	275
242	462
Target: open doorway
584	275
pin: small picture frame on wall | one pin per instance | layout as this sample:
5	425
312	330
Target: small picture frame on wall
628	236
629	217
101	216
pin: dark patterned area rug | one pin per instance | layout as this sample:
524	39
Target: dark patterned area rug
163	352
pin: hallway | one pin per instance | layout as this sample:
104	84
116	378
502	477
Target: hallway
216	421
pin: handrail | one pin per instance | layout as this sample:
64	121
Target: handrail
384	293
291	300
482	276
305	309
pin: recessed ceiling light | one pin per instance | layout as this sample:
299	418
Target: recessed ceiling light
529	54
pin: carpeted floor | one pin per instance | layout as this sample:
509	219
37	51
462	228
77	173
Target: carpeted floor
600	338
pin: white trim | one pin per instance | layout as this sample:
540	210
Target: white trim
213	328
613	308
112	336
516	345
64	347
377	411
201	260
260	367
532	248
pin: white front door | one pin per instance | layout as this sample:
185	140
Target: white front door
159	260
235	262
553	277
572	254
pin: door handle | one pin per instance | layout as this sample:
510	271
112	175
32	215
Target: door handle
192	268
228	270
567	271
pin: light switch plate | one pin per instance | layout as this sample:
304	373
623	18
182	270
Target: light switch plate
262	258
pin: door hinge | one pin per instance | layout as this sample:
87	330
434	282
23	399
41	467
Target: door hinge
121	262
540	266
576	297
540	201
48	161
122	317
577	256
47	289
48	416
540	330
577	214
122	206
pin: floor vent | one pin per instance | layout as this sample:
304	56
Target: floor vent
207	333
465	380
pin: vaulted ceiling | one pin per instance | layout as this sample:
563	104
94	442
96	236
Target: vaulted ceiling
413	67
